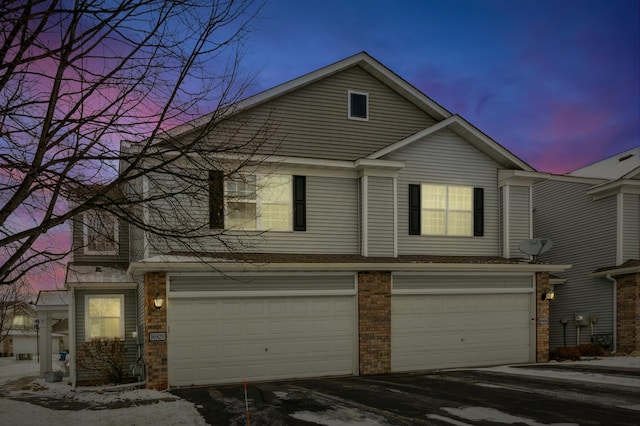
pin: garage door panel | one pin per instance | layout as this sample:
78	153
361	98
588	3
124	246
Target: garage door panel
446	331
261	339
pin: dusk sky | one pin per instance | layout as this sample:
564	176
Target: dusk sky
557	82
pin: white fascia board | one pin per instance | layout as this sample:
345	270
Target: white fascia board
411	139
520	177
617	272
186	266
626	186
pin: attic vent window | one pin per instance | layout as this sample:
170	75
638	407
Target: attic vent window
626	157
358	105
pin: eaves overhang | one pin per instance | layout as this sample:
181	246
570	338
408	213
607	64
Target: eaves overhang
166	264
625	186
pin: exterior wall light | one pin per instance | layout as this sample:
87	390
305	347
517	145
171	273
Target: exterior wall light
158	301
548	294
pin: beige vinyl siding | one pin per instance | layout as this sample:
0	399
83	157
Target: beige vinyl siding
78	246
312	121
130	325
631	227
583	232
332	225
445	158
380	218
519	219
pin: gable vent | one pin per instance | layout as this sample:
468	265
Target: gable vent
358	105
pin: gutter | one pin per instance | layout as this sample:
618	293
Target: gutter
141	267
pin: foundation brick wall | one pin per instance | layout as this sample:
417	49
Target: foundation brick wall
374	325
628	313
542	312
155	356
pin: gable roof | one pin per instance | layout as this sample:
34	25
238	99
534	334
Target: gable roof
623	165
362	59
470	133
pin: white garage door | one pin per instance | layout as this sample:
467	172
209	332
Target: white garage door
433	331
229	339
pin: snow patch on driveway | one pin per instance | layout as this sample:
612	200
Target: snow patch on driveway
341	416
496	416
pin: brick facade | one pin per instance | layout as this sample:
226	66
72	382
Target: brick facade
155	354
374	325
542	317
628	313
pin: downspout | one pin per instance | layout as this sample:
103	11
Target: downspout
615	312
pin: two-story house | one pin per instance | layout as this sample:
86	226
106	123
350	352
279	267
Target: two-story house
591	214
380	236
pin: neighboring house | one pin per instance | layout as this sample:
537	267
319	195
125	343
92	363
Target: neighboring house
381	236
33	333
19	329
591	215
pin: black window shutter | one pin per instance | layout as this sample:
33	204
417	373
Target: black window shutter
414	209
216	199
299	203
478	212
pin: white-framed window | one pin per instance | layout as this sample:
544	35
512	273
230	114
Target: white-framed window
21	322
259	202
358	105
104	315
100	233
447	210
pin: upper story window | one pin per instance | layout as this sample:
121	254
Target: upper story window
104	316
358	105
254	202
100	231
446	210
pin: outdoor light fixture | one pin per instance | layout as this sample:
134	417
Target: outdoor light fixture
548	294
158	301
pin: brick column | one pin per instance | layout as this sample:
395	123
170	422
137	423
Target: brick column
542	318
374	322
155	357
628	313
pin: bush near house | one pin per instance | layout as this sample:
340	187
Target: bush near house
104	356
575	353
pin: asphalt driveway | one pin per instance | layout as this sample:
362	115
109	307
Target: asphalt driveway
460	397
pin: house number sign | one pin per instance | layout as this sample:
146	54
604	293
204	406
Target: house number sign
157	337
543	321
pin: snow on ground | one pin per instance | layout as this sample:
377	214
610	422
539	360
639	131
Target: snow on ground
622	362
147	406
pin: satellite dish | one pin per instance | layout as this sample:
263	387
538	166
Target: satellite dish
535	247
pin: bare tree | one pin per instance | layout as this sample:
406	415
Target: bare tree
78	77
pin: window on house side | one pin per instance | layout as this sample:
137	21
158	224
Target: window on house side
358	106
447	210
100	232
104	316
261	203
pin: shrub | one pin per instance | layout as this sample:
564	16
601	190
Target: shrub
565	354
104	356
592	349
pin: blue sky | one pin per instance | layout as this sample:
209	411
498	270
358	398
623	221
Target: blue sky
556	82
